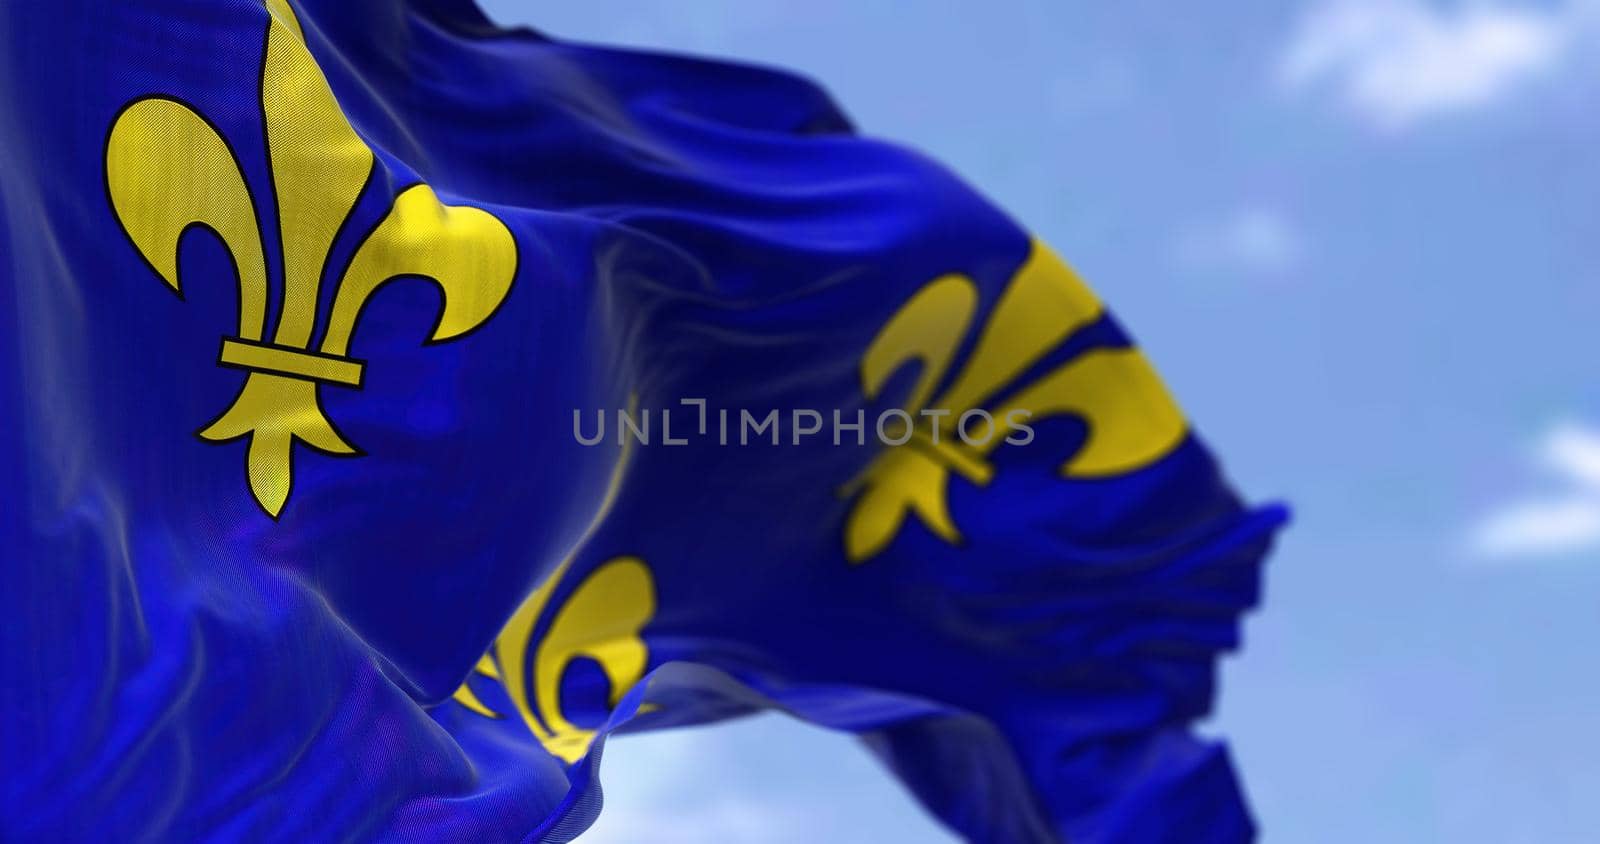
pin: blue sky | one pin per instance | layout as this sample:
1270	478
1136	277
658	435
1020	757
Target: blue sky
1359	238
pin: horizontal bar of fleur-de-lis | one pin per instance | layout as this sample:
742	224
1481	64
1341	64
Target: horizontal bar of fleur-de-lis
260	357
953	454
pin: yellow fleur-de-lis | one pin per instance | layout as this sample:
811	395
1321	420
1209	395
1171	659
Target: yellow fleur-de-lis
169	169
602	620
1131	419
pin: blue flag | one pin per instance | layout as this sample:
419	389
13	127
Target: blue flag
396	406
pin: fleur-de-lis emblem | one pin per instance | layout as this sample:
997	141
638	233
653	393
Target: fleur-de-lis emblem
600	621
1131	419
169	169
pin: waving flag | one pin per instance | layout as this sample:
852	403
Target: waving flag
397	406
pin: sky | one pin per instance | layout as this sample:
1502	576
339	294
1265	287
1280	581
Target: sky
1359	238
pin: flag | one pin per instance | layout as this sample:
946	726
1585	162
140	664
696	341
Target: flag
397	406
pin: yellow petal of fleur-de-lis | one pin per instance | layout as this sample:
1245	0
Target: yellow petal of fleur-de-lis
600	621
168	169
1131	419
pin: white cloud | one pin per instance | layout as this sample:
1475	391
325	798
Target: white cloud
1550	524
1396	62
1574	451
1252	239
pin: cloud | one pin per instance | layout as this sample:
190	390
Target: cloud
1557	523
1252	240
1397	62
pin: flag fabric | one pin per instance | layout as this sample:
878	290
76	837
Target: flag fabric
397	405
